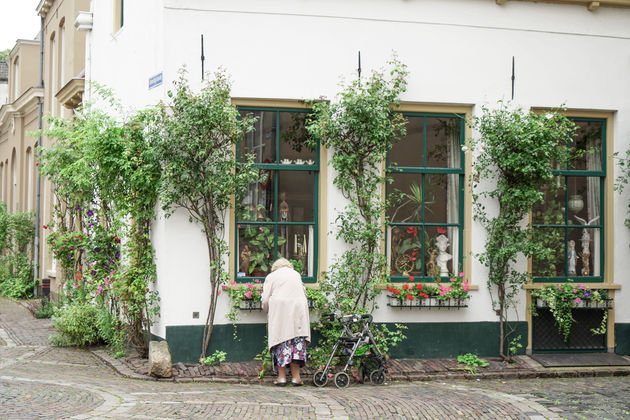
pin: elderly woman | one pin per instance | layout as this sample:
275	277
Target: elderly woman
288	329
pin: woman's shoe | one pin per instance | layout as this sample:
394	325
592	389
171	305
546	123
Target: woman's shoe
297	383
279	383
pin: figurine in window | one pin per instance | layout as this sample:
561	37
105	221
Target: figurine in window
443	257
572	256
283	214
245	257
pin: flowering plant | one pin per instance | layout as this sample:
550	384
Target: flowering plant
457	288
248	292
66	246
561	299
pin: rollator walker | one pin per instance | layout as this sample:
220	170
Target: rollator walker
371	363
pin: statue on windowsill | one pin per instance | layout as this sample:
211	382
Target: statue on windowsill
443	257
245	257
571	255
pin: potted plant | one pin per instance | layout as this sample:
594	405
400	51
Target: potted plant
561	299
245	297
258	250
454	294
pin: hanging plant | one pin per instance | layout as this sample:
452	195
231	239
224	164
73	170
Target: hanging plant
562	299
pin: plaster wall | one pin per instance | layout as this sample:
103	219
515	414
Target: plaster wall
4	93
25	53
457	52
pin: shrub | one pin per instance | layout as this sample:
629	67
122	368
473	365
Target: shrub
76	325
46	310
215	360
16	266
110	330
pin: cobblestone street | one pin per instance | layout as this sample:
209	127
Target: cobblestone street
40	381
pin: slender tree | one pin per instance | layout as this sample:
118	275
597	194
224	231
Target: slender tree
197	133
516	151
360	128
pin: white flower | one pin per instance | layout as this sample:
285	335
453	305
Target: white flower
465	149
549	116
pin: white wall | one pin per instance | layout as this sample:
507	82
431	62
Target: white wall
457	52
4	93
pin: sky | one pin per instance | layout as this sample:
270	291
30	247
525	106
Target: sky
18	20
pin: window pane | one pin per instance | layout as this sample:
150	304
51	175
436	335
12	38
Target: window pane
297	243
257	203
589	141
296	196
443	149
408	151
587	251
293	140
262	141
406	247
441	198
551	211
418	251
256	249
551	264
405	195
584	200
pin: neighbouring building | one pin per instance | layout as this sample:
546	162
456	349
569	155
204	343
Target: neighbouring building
18	119
59	88
63	64
4	82
461	55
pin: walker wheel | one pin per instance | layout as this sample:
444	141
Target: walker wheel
342	380
320	378
377	377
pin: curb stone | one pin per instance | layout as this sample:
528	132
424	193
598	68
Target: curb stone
230	373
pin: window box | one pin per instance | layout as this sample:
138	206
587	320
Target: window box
431	302
250	305
604	304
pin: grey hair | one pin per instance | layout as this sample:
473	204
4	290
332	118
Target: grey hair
281	262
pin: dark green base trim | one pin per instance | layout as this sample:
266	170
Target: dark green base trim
622	338
450	339
424	340
185	341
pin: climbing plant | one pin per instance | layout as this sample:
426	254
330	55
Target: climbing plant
623	178
359	127
515	154
197	134
105	175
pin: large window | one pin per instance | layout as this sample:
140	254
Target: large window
570	219
425	232
278	215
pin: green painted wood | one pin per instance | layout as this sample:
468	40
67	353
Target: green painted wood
424	340
185	341
278	167
622	338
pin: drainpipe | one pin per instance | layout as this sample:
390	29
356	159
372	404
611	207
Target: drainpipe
38	179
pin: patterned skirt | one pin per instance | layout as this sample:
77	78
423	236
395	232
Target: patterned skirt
293	350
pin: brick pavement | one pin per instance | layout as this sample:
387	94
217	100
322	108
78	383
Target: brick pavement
39	381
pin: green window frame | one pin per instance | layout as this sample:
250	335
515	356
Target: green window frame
285	225
574	199
432	164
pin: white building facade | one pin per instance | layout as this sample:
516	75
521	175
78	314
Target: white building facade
461	55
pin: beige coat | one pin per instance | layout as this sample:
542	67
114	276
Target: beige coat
284	298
